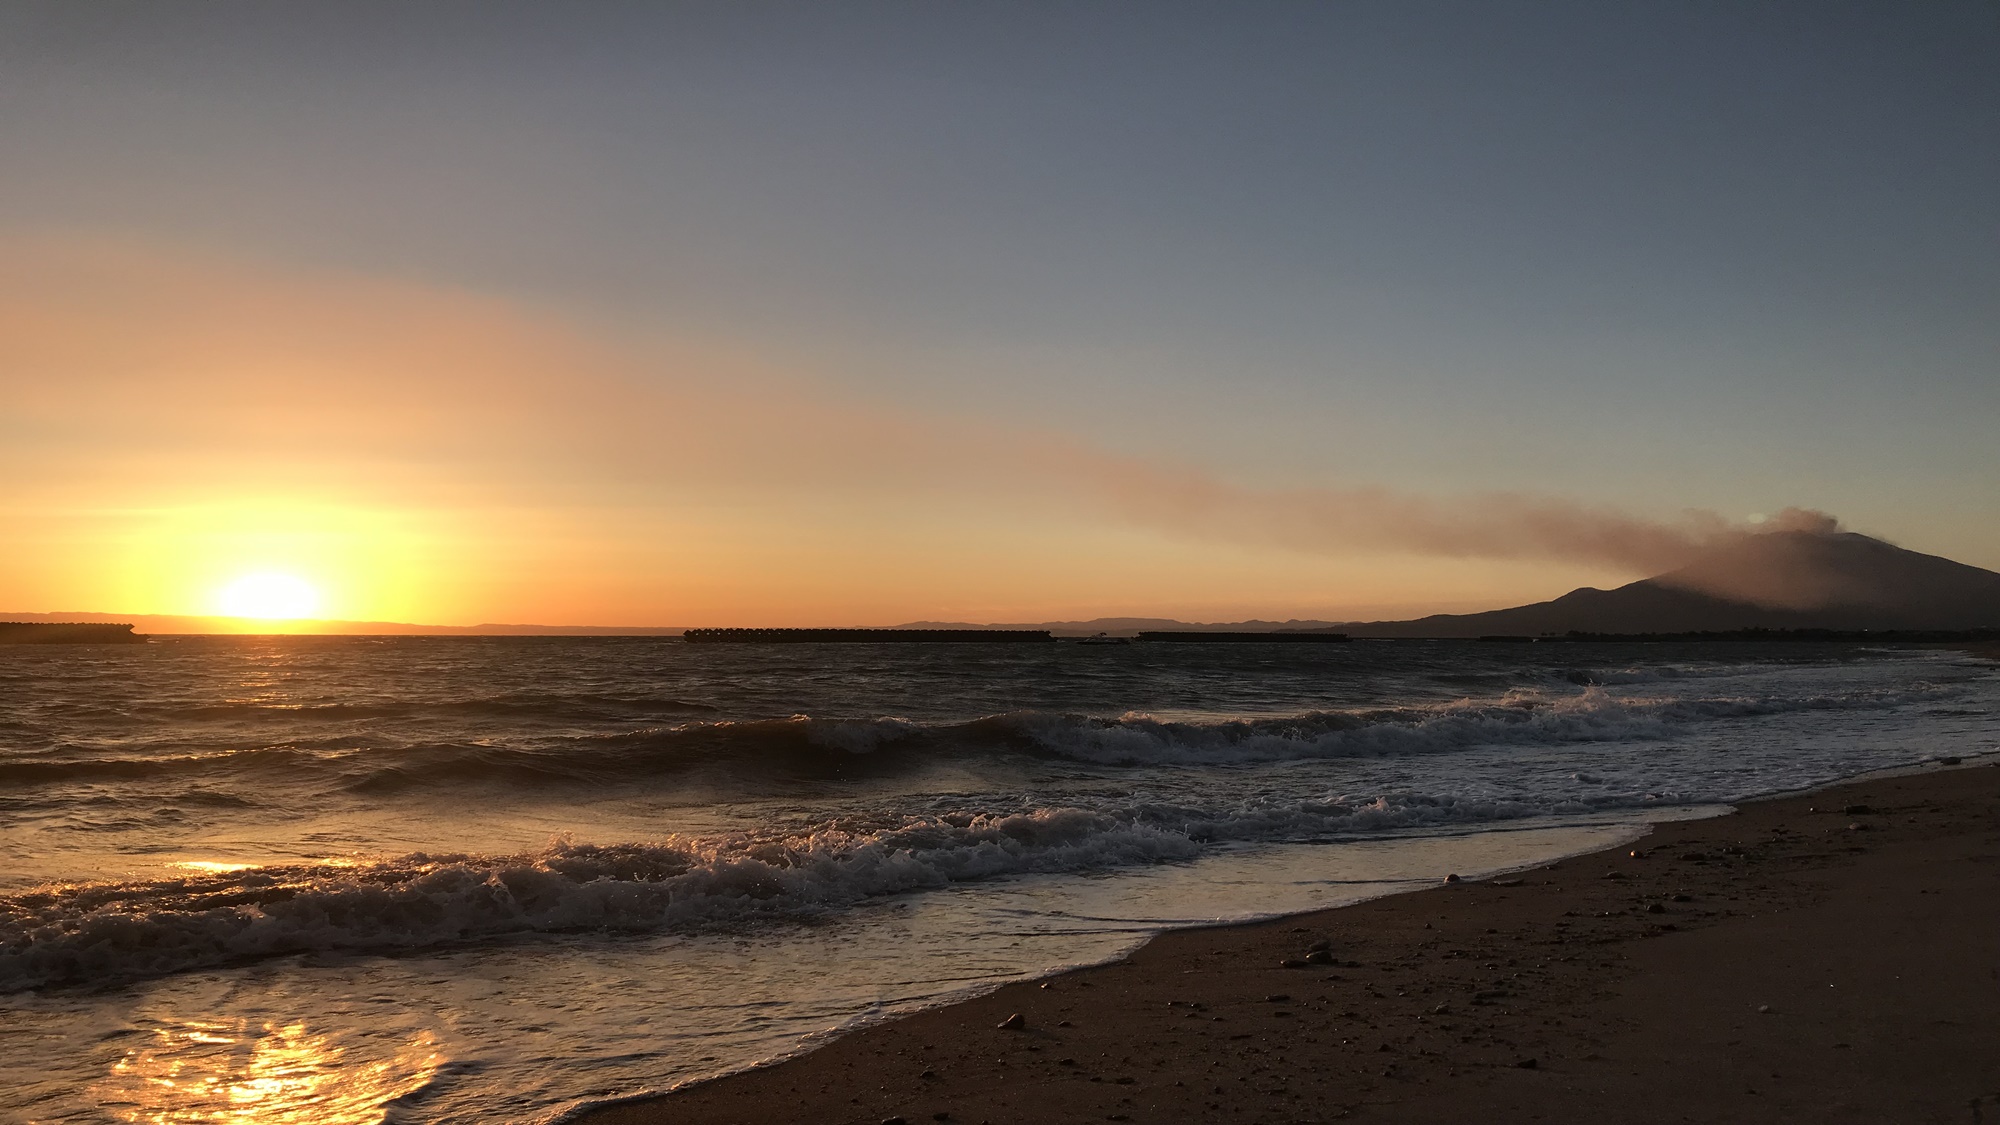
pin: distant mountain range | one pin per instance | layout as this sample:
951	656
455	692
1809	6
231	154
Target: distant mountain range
1775	580
1127	626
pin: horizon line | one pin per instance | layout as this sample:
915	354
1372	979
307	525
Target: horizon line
347	626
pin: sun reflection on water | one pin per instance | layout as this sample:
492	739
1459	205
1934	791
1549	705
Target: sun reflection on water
213	867
211	1073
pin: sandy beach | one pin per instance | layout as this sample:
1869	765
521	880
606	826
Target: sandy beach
1831	957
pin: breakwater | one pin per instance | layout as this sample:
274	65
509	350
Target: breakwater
1209	637
67	633
866	636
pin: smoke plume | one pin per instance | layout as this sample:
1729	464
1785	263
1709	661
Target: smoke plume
1498	525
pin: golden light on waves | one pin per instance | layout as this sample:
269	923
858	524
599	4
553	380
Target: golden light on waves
236	1073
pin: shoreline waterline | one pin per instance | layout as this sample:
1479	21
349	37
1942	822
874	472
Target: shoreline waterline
1606	836
952	1038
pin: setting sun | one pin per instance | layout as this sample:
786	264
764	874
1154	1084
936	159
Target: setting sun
269	596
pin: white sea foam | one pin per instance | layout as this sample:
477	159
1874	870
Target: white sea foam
96	932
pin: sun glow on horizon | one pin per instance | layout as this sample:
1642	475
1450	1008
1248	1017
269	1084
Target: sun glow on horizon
284	563
269	596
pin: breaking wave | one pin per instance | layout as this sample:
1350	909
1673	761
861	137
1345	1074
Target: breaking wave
108	932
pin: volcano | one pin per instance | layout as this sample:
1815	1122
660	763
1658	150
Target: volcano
1773	580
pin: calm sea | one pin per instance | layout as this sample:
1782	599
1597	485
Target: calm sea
353	880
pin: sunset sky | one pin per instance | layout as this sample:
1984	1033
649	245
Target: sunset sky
755	314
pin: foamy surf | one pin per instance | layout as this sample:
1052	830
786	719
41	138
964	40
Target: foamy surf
121	931
234	912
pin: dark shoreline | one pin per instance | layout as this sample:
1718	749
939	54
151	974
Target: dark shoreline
1583	990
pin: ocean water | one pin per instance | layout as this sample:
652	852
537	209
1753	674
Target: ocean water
358	880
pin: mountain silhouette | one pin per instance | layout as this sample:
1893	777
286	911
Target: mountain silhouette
1772	580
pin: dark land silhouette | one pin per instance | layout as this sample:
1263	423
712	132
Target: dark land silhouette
67	633
866	636
1838	582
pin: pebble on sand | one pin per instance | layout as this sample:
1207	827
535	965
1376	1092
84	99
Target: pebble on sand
1015	1022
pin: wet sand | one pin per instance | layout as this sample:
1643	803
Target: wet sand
1826	958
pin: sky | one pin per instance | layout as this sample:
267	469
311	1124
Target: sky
819	314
